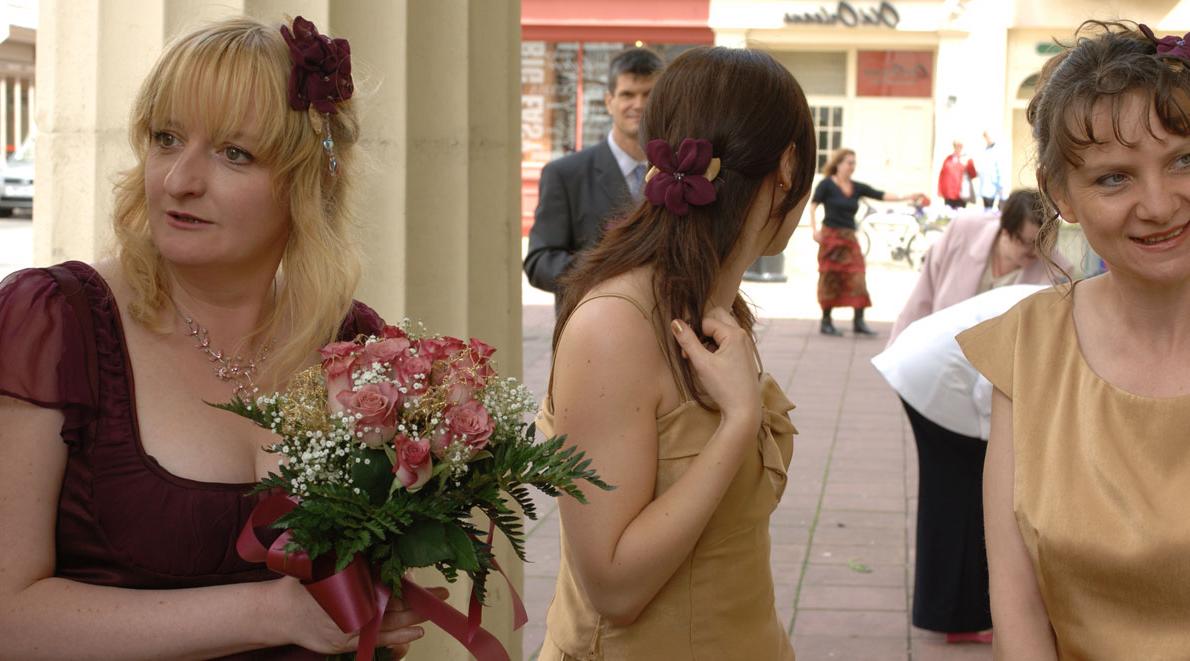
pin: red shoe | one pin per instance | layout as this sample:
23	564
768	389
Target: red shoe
983	637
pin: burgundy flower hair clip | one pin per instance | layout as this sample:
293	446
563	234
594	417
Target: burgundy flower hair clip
1170	46
321	74
682	180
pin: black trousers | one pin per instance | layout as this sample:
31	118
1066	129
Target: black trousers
950	588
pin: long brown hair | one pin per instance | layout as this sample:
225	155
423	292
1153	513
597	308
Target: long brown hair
751	109
1107	63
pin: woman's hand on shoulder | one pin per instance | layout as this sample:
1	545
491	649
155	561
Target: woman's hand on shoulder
729	373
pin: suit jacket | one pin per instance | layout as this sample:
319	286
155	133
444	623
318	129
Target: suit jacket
955	264
577	195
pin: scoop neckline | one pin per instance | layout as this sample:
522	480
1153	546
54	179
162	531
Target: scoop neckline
1095	376
147	459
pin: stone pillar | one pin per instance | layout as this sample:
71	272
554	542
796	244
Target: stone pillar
439	203
18	109
4	116
441	207
88	71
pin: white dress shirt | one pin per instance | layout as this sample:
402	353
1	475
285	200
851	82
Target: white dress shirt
628	166
928	370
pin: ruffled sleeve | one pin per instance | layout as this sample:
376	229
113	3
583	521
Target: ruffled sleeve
991	348
45	356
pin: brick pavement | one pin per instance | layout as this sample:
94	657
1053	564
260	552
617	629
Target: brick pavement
843	534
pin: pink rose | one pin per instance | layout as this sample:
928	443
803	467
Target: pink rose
377	404
439	348
386	352
413	367
338	360
439	441
472	364
389	332
458	393
470	420
413	466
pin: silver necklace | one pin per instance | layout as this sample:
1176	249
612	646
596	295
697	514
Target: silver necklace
235	370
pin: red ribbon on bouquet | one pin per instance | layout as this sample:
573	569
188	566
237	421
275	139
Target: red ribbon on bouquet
355	598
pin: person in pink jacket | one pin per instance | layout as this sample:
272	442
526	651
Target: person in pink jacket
979	253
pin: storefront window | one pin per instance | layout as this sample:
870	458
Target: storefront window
894	73
549	88
554	120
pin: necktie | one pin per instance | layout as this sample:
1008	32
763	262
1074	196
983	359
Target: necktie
636	181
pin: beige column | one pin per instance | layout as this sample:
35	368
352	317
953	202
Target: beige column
4	116
439	82
88	69
439	204
32	95
18	120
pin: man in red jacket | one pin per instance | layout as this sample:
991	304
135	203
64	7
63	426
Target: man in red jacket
950	180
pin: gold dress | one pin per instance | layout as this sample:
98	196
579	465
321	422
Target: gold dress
1101	484
719	603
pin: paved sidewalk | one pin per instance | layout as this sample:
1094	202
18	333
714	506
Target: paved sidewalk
843	534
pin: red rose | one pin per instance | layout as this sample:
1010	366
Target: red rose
471	422
376	403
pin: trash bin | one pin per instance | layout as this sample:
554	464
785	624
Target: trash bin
769	268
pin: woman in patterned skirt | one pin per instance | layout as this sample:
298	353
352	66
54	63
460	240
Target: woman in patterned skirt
841	280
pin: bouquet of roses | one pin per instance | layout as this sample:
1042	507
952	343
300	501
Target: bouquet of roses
387	449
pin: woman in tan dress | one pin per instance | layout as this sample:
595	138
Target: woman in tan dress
1088	466
656	378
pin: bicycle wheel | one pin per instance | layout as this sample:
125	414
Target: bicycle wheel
865	241
909	254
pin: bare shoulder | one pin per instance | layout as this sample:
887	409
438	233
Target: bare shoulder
610	341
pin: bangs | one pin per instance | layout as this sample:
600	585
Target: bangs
220	81
1114	90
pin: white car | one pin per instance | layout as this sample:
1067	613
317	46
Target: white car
18	180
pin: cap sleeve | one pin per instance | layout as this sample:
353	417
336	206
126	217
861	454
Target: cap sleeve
991	348
44	355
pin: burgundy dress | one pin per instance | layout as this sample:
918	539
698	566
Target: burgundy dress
123	520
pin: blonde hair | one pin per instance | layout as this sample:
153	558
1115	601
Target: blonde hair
225	73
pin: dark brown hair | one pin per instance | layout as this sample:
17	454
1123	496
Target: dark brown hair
751	109
640	62
1108	63
1022	206
832	165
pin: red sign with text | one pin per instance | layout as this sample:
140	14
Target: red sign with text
895	73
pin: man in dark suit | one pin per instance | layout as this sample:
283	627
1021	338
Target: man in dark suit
579	192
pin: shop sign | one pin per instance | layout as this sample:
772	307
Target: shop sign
848	15
894	73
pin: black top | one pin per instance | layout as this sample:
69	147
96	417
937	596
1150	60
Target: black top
840	208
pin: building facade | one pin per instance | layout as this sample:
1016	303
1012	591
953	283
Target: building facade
898	81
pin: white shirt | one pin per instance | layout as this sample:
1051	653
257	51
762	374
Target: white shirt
623	159
929	371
